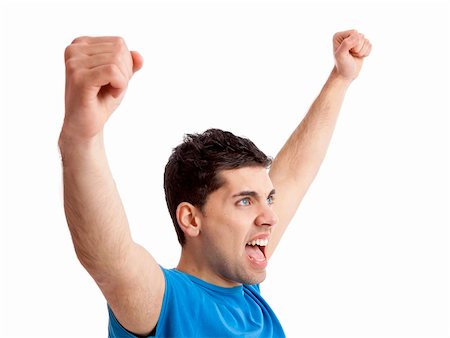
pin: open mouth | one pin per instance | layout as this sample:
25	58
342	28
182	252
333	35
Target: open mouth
256	250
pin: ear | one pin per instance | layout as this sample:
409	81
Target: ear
188	220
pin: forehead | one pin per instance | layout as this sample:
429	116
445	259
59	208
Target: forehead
246	179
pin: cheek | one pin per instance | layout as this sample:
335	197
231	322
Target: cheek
231	224
242	218
238	226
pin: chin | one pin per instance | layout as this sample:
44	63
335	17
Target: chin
255	278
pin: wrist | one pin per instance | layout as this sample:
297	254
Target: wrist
339	79
70	144
337	82
71	135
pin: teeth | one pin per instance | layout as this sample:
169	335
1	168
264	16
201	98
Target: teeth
260	242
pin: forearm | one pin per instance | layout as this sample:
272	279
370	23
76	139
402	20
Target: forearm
94	211
303	153
297	163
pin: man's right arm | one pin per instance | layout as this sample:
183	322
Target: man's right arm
97	74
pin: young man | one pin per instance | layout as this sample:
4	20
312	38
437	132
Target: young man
219	194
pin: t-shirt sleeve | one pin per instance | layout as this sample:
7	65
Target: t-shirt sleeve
115	329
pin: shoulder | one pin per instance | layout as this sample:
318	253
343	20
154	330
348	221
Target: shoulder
179	293
181	296
176	280
180	289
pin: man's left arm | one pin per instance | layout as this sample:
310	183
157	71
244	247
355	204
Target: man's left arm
296	165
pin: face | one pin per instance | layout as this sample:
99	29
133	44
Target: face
236	224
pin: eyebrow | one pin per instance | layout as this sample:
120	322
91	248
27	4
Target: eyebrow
252	193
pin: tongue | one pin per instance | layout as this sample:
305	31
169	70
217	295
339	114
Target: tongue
254	252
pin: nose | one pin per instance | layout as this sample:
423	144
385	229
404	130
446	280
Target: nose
266	216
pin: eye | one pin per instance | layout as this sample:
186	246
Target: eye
245	202
270	199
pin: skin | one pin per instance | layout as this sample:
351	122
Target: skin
98	70
245	205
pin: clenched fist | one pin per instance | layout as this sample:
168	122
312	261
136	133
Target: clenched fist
350	48
97	73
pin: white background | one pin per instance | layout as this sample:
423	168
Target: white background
367	253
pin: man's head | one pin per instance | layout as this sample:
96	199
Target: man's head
192	172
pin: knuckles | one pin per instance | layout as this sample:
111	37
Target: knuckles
80	39
71	65
343	35
69	52
78	53
111	69
117	44
76	78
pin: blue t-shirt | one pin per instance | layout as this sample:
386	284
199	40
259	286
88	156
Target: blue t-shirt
194	308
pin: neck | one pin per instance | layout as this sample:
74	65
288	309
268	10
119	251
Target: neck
193	263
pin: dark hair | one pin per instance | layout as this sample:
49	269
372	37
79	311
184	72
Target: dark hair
191	173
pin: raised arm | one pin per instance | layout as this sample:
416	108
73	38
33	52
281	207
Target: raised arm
296	165
97	74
